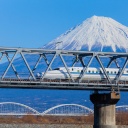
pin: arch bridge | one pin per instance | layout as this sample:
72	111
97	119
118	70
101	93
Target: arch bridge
13	108
68	109
18	109
19	68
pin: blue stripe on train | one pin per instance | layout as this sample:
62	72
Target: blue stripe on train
98	74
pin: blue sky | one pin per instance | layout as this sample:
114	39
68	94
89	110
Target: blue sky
33	23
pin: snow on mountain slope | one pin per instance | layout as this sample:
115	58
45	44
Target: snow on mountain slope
94	34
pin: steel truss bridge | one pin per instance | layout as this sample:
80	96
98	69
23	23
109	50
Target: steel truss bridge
47	58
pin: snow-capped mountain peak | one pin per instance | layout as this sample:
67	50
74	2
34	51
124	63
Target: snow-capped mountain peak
94	34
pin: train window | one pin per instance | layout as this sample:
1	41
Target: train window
92	71
89	71
107	72
127	71
56	69
100	72
111	72
115	72
78	71
72	69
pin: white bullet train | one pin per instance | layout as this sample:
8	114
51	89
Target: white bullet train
91	73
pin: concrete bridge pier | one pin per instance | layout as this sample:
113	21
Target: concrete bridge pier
104	109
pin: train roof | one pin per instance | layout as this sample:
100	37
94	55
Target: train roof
91	68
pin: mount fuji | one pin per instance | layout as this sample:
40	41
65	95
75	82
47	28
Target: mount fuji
94	34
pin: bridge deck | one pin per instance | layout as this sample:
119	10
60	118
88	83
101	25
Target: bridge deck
61	84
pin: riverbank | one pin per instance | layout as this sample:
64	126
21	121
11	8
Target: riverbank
51	126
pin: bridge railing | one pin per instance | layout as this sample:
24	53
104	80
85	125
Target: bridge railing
63	84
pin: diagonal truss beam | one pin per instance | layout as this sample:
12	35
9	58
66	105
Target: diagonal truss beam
116	63
66	67
85	69
75	61
27	66
120	72
10	63
38	61
49	66
111	60
46	60
12	66
2	56
82	62
105	73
